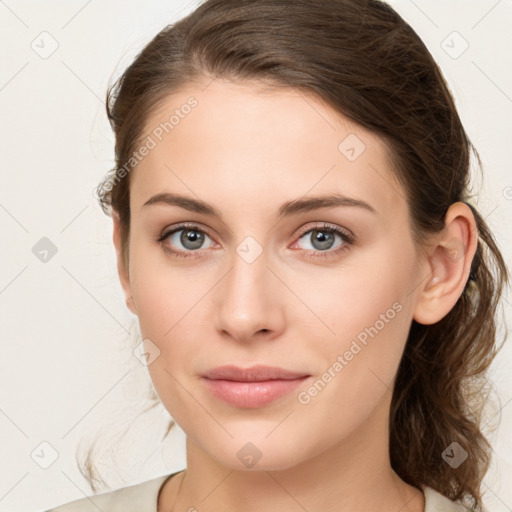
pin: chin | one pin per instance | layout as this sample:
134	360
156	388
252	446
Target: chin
249	453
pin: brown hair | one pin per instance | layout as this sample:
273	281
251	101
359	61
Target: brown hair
368	64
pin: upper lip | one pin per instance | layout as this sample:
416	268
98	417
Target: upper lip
253	374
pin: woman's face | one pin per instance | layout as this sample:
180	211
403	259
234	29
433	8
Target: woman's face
267	279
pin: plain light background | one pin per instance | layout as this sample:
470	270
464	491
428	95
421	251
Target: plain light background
67	366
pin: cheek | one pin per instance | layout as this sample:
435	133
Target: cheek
161	292
369	309
169	299
357	366
354	295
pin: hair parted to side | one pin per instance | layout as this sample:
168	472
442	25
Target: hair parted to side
368	64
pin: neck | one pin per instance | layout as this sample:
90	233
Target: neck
353	475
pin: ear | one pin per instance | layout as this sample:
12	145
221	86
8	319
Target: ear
448	265
121	267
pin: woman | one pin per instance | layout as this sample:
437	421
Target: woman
315	291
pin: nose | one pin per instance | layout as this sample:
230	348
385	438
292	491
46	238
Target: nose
249	301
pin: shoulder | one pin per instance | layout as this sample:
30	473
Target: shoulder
134	498
437	502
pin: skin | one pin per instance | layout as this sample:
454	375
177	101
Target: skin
246	151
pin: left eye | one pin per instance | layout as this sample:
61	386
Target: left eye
323	239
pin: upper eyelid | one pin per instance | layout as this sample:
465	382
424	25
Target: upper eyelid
192	226
327	227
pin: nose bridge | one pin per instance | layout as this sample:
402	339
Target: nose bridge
247	298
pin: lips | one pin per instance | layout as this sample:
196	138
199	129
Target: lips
254	374
251	387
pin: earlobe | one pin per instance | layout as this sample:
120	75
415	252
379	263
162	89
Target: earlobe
448	264
121	266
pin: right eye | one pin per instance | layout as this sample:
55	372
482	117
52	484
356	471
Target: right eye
189	236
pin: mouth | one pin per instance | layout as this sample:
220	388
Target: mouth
257	373
251	387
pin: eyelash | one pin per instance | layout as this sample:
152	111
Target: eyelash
347	237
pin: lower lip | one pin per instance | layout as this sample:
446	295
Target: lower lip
251	394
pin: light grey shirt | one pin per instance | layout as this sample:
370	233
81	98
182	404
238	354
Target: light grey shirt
143	497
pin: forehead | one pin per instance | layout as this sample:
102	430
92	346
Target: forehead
243	146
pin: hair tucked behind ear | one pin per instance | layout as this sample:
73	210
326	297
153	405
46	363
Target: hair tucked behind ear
368	64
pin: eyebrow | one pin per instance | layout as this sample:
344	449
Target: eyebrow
287	209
